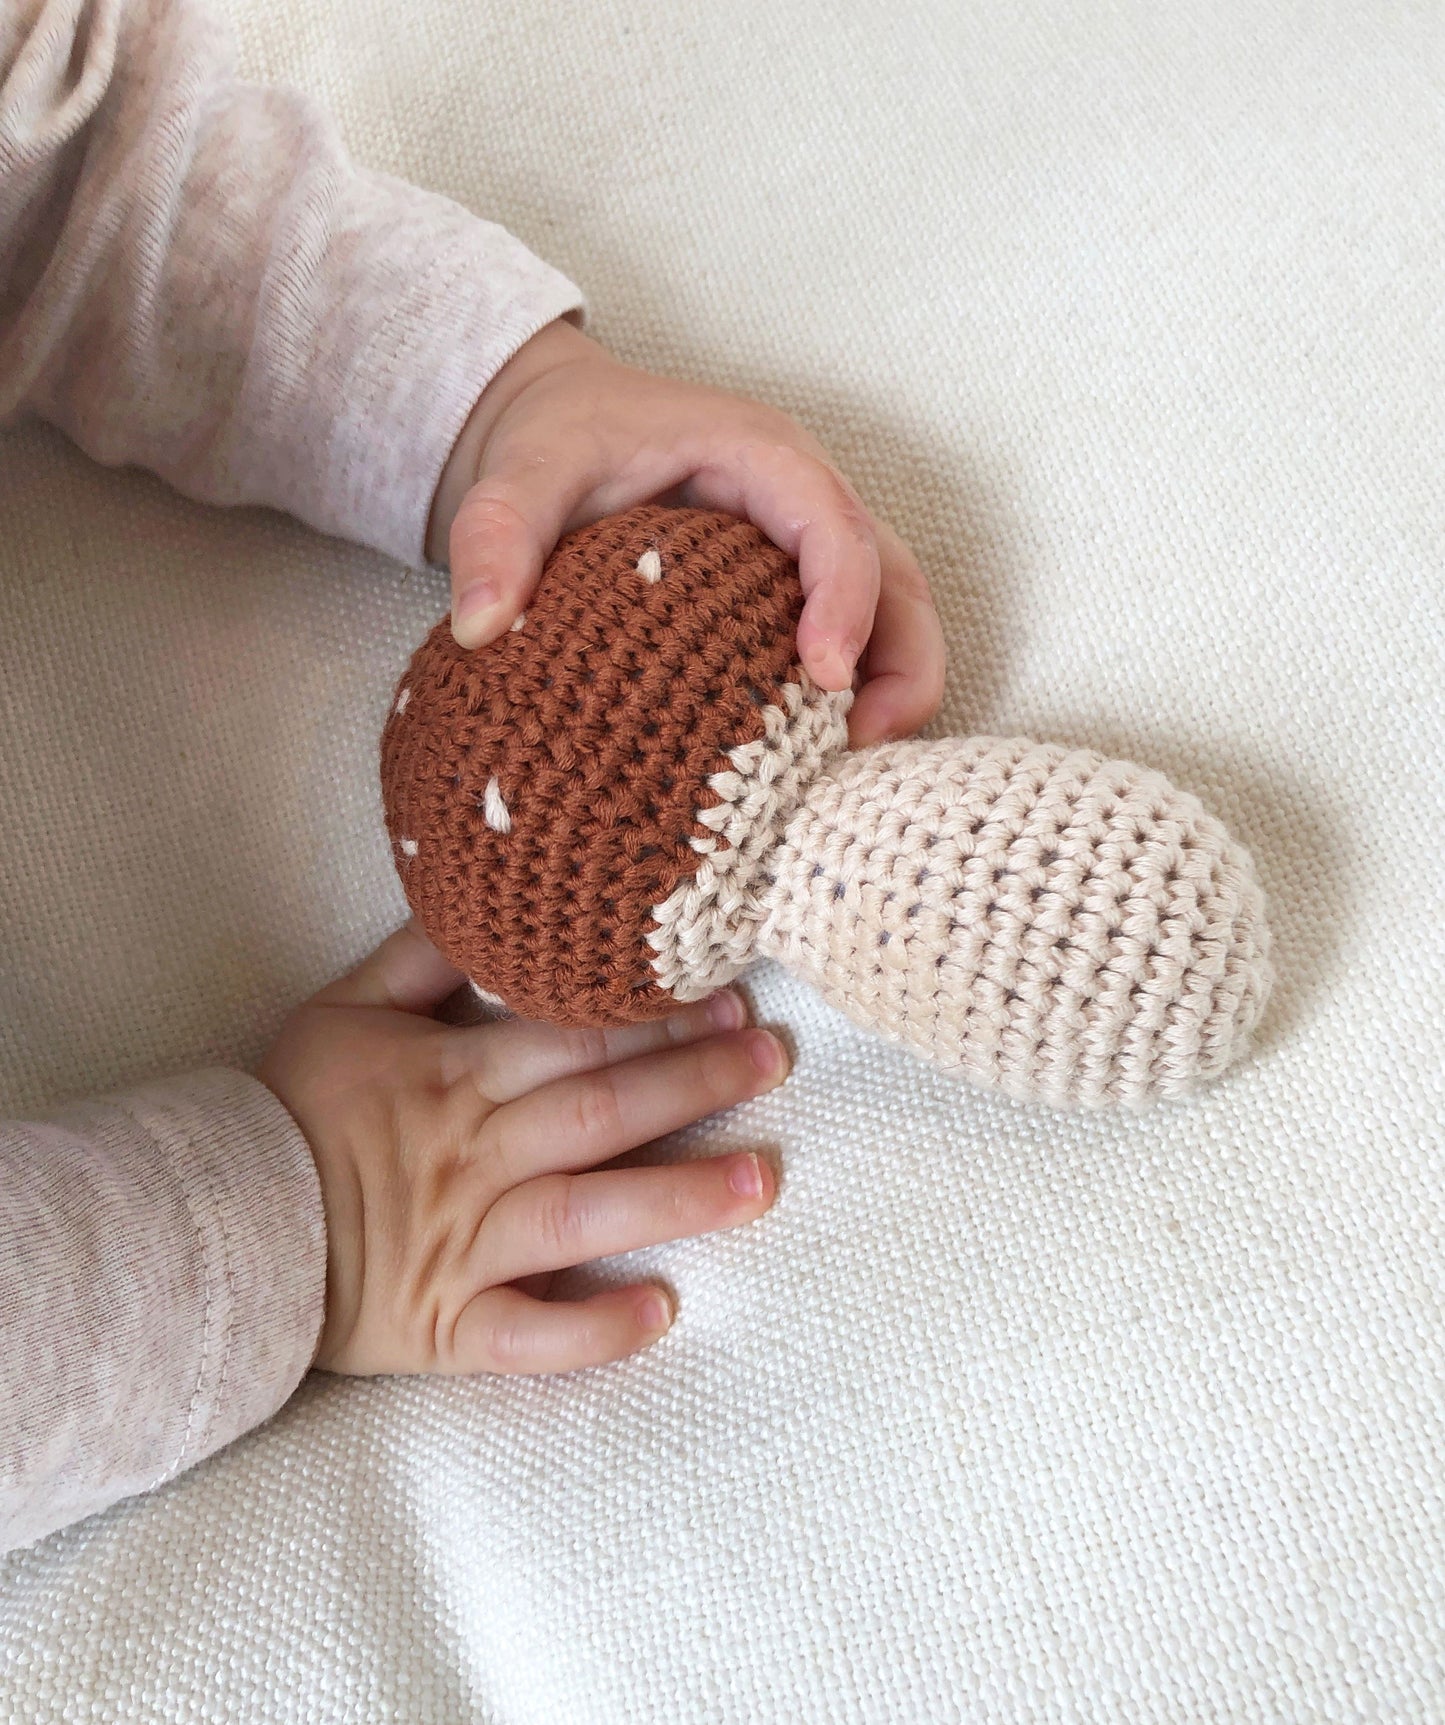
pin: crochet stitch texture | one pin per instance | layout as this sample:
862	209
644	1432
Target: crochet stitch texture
638	791
601	721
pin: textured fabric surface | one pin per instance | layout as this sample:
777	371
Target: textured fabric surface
1129	320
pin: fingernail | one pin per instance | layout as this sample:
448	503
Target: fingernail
473	611
727	1011
766	1054
746	1178
654	1313
833	664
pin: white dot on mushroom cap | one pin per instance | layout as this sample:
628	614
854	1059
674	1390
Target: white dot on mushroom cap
402	699
649	567
495	809
521	619
408	847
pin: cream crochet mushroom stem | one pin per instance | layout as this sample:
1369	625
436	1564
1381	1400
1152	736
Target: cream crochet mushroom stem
1041	920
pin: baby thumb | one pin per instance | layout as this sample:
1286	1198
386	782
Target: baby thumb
505	528
406	973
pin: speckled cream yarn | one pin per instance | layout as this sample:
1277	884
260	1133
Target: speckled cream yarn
1048	922
638	791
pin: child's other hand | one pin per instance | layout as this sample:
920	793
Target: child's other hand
565	434
453	1165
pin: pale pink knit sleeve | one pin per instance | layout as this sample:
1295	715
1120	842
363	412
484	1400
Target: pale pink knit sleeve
196	279
162	1288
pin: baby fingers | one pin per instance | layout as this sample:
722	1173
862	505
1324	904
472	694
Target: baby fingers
581	1120
904	666
807	508
503	531
504	1330
509	1058
559	1220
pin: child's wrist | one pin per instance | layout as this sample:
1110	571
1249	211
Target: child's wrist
556	344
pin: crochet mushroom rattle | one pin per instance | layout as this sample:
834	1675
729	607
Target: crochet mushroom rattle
638	791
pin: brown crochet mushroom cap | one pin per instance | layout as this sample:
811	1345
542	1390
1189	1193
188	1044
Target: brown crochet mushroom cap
542	793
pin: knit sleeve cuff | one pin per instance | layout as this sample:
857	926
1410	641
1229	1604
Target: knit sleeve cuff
205	284
162	1289
254	1199
444	299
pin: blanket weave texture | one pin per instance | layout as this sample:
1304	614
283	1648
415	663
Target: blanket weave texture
1128	318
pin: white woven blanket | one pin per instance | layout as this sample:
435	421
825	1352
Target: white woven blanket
1129	318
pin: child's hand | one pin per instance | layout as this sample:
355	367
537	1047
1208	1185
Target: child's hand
565	435
449	1162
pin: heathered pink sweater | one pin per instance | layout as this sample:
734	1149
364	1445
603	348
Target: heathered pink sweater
195	279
